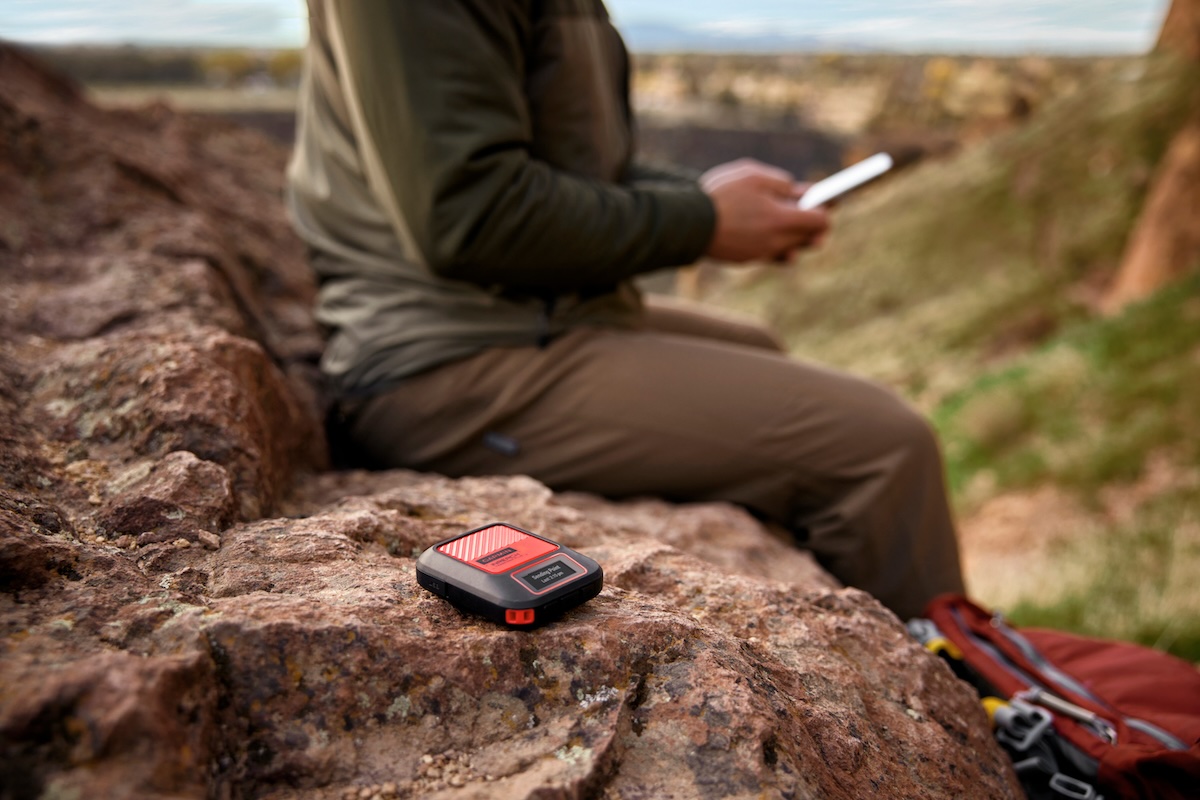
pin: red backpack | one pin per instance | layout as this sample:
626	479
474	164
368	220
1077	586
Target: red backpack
1081	718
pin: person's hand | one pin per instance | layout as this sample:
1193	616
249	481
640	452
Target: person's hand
757	218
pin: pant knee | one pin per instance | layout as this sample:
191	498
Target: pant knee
891	432
913	434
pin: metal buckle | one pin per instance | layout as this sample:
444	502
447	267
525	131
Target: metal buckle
1021	725
1042	763
923	630
1073	788
1100	726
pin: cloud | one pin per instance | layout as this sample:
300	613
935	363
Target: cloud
1076	25
240	22
956	24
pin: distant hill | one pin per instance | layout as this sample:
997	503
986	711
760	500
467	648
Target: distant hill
662	37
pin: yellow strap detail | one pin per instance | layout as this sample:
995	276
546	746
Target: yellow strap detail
990	705
940	644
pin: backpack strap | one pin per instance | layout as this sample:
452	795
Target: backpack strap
1125	719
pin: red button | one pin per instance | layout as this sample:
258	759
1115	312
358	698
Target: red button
518	616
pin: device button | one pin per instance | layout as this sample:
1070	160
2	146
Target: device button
518	616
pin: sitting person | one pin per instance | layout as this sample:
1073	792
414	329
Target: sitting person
463	175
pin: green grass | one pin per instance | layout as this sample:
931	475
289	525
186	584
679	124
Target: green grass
1086	413
1087	409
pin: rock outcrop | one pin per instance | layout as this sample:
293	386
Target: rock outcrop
193	605
1165	243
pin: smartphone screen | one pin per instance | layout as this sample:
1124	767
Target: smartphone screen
844	181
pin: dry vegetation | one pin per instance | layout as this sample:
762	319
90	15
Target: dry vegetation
972	284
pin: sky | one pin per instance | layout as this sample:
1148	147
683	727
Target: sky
1051	26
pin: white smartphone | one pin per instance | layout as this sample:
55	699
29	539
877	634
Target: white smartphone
841	182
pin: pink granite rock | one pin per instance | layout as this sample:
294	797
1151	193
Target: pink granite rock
179	496
191	607
327	667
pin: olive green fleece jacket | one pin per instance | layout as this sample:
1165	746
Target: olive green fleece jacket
463	174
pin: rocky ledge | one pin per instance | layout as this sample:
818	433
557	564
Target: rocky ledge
193	605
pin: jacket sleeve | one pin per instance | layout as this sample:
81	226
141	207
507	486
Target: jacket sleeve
643	173
440	87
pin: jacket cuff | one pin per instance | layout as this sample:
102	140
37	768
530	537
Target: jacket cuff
687	221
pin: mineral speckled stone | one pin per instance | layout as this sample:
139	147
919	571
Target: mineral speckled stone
191	605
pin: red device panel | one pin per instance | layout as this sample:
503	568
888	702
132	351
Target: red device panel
497	548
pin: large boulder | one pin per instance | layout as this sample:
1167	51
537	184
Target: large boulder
193	605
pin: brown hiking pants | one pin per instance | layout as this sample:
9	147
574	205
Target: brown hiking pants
693	408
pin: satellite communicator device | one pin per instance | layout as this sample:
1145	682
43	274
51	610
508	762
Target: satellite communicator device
509	575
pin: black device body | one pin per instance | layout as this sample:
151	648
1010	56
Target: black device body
509	575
